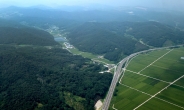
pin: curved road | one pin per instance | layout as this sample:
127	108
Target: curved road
119	71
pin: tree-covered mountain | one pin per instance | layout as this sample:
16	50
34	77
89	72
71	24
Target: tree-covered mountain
37	74
116	39
156	34
28	36
151	33
12	32
41	78
92	37
10	23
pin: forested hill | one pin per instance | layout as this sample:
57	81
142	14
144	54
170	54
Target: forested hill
35	77
26	35
9	23
38	78
152	33
94	38
115	39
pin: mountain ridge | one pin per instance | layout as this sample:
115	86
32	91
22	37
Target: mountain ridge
117	39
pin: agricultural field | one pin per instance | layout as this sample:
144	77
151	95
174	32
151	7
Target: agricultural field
96	58
152	81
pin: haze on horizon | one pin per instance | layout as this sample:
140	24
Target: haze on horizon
166	4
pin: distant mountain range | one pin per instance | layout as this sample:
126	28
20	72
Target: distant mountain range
95	30
95	13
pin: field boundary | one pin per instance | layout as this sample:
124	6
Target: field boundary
114	107
155	61
152	96
160	92
153	78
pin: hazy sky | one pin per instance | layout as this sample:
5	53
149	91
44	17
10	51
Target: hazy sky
172	4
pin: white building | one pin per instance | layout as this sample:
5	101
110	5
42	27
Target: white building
182	58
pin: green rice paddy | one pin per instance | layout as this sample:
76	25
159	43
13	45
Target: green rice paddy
148	75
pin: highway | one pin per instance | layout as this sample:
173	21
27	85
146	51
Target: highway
118	71
115	79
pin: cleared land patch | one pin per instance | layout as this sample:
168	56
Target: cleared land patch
152	81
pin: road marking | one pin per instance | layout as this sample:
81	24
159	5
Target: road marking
155	61
153	78
160	92
114	107
151	95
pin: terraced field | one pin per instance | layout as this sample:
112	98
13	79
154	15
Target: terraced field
152	81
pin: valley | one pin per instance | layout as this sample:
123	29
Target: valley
92	57
61	37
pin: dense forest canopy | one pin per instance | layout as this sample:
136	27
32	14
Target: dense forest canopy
115	39
92	38
152	33
37	75
28	36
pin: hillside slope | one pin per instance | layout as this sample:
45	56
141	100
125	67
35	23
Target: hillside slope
28	36
41	78
96	40
35	77
116	39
